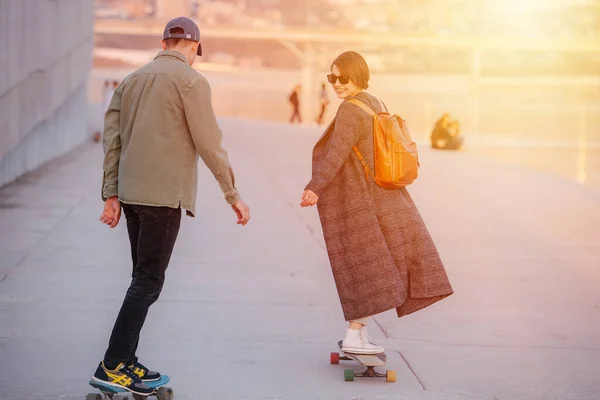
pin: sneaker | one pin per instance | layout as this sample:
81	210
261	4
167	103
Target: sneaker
121	377
364	336
353	343
144	373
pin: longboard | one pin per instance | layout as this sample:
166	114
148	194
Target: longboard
368	360
114	393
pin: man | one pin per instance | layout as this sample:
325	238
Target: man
294	99
158	122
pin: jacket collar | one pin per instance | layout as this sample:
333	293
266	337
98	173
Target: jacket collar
172	53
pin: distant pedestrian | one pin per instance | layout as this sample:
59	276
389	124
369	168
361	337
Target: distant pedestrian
294	100
323	102
381	254
159	121
107	93
446	134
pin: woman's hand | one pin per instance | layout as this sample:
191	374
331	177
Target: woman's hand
242	211
309	198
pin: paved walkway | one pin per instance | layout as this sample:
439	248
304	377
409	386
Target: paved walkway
252	313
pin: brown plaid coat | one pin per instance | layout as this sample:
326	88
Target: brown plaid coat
380	250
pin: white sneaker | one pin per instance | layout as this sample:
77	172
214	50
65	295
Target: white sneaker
365	339
355	344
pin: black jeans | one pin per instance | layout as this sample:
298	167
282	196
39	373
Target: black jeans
152	234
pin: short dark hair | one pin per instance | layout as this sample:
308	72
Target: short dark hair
173	42
353	66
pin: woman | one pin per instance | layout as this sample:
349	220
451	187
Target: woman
381	253
324	102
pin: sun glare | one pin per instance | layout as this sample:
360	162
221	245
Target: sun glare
521	18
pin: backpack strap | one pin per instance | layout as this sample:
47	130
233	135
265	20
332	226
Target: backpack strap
363	162
362	105
372	113
366	108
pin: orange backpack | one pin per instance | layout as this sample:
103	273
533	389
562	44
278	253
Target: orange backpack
396	155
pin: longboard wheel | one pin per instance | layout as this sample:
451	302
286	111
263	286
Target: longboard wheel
138	396
334	358
120	397
390	375
349	375
164	393
93	396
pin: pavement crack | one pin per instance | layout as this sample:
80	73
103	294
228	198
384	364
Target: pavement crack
381	327
412	370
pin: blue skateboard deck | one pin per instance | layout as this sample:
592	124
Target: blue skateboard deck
111	390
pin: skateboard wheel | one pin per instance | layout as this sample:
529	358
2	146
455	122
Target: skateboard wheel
120	397
390	375
349	375
93	396
164	393
138	396
334	358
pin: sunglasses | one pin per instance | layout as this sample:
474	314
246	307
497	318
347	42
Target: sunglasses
332	78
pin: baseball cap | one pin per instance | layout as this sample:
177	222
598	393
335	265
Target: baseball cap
190	31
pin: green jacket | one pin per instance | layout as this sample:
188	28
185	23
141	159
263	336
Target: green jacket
158	122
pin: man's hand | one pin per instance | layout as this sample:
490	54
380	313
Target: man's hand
112	212
242	211
309	198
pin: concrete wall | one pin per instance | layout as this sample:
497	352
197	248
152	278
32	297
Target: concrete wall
45	59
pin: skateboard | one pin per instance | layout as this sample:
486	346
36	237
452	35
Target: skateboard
368	360
113	393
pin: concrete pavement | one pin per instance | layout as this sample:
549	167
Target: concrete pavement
252	312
